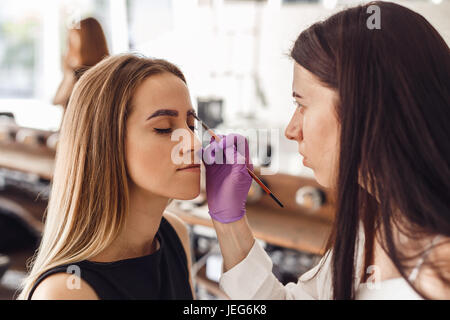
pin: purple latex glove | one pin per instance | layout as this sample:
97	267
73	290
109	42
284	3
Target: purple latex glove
227	179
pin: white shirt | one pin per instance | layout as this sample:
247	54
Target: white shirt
252	278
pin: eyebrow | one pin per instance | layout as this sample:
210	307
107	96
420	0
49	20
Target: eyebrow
191	113
296	95
170	113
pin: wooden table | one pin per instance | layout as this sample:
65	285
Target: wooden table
291	227
36	160
283	228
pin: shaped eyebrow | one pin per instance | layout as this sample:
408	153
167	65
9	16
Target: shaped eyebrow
296	95
163	112
191	113
170	113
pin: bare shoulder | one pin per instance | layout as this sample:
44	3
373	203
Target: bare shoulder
63	286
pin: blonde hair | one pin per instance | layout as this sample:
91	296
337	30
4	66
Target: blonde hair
88	203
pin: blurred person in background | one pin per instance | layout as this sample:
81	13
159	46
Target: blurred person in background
86	46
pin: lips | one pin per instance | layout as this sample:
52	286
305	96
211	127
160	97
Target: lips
305	160
189	167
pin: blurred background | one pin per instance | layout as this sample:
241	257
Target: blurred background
235	56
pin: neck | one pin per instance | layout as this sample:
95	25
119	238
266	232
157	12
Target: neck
137	238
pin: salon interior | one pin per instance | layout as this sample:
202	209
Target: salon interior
235	56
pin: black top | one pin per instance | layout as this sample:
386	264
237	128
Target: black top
161	275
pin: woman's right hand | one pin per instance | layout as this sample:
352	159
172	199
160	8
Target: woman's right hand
227	178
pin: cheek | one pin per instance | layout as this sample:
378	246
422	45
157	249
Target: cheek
148	163
320	133
150	167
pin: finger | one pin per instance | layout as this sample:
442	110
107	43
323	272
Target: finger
220	136
213	153
209	154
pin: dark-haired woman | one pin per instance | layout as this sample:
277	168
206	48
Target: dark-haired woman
373	108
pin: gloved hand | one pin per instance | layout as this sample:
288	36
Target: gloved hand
227	179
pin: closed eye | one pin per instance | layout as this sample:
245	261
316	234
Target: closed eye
169	130
163	131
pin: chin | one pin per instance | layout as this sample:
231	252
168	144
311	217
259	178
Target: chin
324	182
187	194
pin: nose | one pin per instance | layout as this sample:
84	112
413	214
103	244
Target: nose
197	149
294	130
192	146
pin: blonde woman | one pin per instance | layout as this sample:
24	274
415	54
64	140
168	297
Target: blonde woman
106	234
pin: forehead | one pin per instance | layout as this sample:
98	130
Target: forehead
312	90
163	90
304	81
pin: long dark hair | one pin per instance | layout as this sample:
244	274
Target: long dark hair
394	113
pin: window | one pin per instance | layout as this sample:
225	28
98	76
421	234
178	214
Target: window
32	42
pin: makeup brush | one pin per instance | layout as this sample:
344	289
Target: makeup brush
252	174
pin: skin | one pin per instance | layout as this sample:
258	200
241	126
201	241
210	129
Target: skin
154	178
315	127
71	61
73	58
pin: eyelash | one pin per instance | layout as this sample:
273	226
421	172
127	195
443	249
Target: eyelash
169	130
298	105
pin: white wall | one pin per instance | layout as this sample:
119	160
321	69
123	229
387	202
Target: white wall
218	51
280	29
